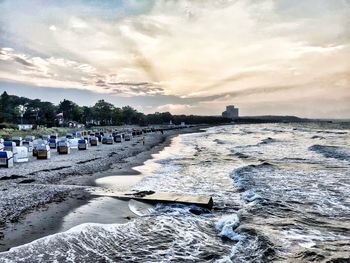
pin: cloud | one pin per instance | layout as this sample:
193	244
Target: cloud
174	108
56	72
241	50
52	28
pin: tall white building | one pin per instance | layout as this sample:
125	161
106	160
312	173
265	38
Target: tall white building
231	112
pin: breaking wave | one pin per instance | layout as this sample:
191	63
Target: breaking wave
226	226
149	239
336	152
267	140
241	175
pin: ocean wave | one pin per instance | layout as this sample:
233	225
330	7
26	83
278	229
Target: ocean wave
275	130
219	141
147	239
250	197
267	140
262	142
241	175
247	131
253	246
140	208
170	159
330	251
179	209
332	132
226	226
239	155
336	152
317	137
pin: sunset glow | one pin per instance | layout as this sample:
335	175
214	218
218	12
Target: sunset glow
267	57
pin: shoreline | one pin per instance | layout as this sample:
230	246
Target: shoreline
48	217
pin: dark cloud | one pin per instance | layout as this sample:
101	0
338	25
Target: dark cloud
116	91
100	83
130	83
23	62
247	92
135	87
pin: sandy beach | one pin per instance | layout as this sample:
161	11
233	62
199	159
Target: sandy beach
36	196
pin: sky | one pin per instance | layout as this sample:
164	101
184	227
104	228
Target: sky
267	57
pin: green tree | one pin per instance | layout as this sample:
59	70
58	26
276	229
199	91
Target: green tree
7	109
128	114
47	114
103	112
71	111
117	116
87	115
32	114
78	114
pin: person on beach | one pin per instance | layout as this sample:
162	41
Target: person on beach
143	140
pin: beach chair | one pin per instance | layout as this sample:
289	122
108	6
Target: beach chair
83	145
29	145
73	143
29	138
63	147
53	143
94	141
10	146
18	140
21	155
6	159
36	143
99	137
54	136
118	138
107	139
43	152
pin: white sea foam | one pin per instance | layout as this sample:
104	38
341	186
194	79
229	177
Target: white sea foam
250	196
226	226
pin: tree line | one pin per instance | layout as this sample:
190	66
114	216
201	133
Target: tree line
15	110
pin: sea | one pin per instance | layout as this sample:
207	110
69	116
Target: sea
281	194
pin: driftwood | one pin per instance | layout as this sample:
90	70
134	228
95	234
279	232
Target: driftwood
163	197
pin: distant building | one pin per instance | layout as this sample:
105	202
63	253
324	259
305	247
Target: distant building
171	125
25	126
231	112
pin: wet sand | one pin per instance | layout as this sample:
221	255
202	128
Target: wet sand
79	206
36	224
